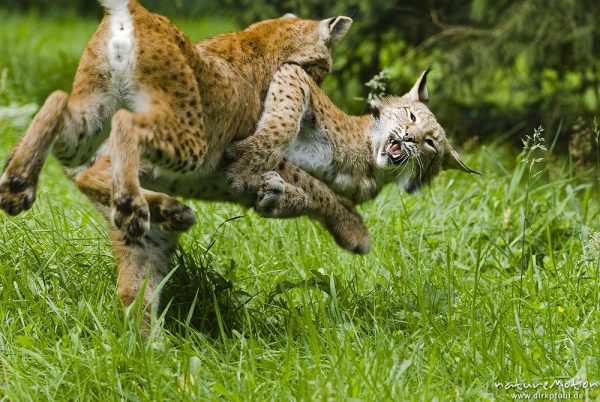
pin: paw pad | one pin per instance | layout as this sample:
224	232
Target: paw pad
131	215
177	217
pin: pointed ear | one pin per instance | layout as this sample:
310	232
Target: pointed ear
334	29
453	161
419	92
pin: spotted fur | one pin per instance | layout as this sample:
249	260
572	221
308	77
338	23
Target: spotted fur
355	156
172	107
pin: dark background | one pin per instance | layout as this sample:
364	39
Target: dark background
501	68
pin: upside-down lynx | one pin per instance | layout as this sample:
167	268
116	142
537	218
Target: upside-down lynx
173	104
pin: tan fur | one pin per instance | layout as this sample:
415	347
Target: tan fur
173	105
356	156
185	102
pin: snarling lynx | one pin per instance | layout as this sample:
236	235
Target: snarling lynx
401	141
173	105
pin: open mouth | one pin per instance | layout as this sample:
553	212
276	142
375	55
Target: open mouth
396	152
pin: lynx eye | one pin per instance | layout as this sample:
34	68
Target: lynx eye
430	142
413	118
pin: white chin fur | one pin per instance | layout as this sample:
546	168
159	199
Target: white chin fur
382	160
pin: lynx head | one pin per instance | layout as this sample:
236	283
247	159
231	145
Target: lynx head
308	43
409	143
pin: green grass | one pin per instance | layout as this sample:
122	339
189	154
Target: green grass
465	285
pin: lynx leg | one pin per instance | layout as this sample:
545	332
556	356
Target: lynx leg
160	136
285	106
278	199
18	182
291	192
165	211
69	125
142	265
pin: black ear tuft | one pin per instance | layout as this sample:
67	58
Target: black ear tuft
375	111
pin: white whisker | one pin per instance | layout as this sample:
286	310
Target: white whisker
420	165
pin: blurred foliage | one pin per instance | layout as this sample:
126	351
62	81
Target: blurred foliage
500	66
180	8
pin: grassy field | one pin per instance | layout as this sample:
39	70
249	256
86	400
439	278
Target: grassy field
473	283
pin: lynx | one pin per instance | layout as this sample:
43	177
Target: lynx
349	158
173	107
355	156
172	102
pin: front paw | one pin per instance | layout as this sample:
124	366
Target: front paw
17	193
130	214
269	194
242	183
243	178
246	166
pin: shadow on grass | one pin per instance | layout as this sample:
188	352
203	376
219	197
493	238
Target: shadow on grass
202	295
198	297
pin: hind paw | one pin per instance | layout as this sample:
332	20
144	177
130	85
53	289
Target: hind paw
175	216
16	194
130	214
350	232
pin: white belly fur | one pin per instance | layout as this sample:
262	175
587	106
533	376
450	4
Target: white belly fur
122	55
121	47
311	151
